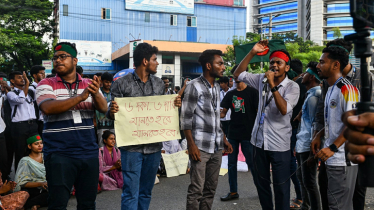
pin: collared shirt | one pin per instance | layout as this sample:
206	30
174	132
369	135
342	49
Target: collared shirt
275	132
101	120
61	135
33	87
131	85
201	114
222	94
25	105
309	108
169	92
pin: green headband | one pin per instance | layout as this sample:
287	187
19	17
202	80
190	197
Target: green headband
334	45
310	71
66	48
33	139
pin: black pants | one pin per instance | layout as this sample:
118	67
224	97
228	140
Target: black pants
63	173
322	182
40	127
9	150
37	197
21	131
280	163
3	158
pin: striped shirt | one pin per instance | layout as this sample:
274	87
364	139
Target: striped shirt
61	135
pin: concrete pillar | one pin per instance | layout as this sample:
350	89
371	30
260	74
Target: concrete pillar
177	70
159	68
316	21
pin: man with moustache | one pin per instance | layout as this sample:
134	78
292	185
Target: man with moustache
200	121
272	131
70	150
139	162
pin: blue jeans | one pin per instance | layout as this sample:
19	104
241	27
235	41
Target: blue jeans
247	149
139	175
293	167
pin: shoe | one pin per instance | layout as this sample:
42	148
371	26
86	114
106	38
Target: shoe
229	196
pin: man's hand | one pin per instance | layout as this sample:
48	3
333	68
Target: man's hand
185	82
358	144
84	95
44	185
94	87
260	46
316	144
114	108
270	76
27	82
324	154
117	165
194	152
298	117
227	147
7	186
178	101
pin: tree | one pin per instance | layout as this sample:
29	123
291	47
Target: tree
23	23
337	33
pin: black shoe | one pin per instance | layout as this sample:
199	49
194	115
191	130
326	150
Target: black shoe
230	197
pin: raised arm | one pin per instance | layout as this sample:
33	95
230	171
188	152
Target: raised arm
99	100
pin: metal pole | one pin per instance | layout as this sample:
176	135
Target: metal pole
270	25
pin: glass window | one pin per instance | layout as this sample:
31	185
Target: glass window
238	2
336	8
340	21
278	8
191	21
284	17
267	1
105	14
330	34
65	10
173	20
147	17
283	27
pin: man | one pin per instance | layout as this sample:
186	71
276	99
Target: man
296	66
23	117
102	122
353	75
272	131
225	120
200	121
341	96
168	90
99	74
79	70
243	103
139	162
231	83
307	174
70	150
38	73
177	89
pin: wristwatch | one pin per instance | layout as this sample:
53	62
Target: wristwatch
274	89
333	148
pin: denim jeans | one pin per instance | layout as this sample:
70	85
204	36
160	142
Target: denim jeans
293	167
139	174
247	149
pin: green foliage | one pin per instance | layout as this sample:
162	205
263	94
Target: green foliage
305	58
23	23
253	37
337	33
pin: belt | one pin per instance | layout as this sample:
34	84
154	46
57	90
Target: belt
27	121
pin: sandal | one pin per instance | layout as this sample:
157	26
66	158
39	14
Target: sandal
296	204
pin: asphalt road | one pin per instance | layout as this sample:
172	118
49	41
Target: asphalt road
170	194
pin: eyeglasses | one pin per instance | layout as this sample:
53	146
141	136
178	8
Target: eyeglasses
62	57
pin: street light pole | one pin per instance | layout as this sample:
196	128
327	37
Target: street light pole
270	25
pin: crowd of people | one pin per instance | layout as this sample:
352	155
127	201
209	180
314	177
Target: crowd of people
59	132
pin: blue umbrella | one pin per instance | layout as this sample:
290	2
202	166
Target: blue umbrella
122	73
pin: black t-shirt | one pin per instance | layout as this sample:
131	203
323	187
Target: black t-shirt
243	105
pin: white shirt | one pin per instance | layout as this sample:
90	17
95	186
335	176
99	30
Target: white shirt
275	132
228	114
41	118
2	123
25	106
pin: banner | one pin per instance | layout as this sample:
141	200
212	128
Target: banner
144	120
242	50
168	6
176	164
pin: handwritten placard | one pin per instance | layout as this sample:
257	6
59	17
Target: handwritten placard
176	164
144	120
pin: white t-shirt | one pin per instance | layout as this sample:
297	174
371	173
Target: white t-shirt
339	98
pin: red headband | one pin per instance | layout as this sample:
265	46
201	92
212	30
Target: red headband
281	55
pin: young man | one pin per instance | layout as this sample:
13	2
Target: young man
308	173
272	131
139	162
200	121
243	103
102	122
341	96
70	150
225	120
38	73
23	116
168	90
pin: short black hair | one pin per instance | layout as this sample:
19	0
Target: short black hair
177	88
341	42
36	69
106	134
107	76
284	51
13	74
143	50
50	75
164	78
297	66
79	69
208	57
53	71
68	43
99	74
235	67
337	54
223	80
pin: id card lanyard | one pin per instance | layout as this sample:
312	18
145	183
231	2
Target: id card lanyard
76	113
327	108
267	102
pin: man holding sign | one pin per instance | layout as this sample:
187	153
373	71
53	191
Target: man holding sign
200	120
139	162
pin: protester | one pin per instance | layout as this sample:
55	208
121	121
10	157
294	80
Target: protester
177	89
99	74
168	90
307	173
272	131
23	117
102	122
139	162
296	66
200	120
38	73
231	83
14	200
79	70
110	177
70	150
225	121
341	96
243	103
30	175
